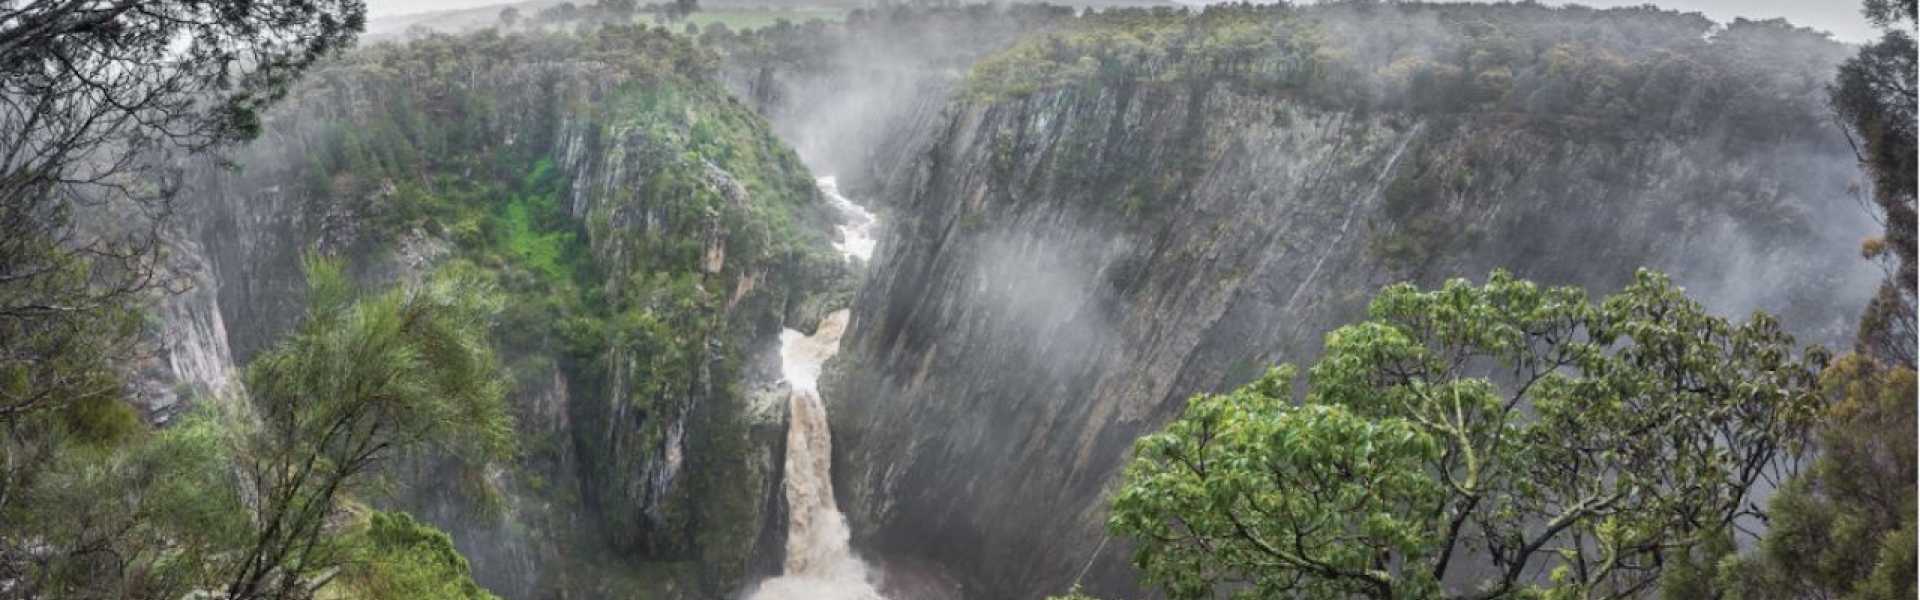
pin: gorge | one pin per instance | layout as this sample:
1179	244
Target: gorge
1068	265
725	379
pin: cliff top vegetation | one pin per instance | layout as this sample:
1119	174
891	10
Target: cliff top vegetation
1641	68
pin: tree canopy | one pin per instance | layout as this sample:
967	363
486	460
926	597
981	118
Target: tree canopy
1476	442
399	558
1843	528
358	385
249	495
97	98
1874	97
94	97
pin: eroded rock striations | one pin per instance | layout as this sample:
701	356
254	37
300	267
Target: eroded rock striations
1065	265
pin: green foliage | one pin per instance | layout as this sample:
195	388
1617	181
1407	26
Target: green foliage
155	517
751	19
1874	97
398	558
103	421
708	130
1504	425
630	293
1843	528
1226	467
67	322
418	357
534	230
940	37
1140	46
116	97
657	329
361	381
633	284
1695	573
430	120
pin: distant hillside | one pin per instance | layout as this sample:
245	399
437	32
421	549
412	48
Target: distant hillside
735	11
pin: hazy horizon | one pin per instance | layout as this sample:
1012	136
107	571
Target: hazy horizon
1842	18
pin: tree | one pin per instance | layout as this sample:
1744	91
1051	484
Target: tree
678	9
1461	442
249	494
617	11
97	100
142	518
97	97
359	384
563	12
1874	96
509	17
1844	528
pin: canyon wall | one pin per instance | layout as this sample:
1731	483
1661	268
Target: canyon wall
650	238
1064	265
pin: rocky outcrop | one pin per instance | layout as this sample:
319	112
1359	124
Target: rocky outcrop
1062	270
191	360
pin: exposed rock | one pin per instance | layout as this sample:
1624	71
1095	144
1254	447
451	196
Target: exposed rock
1062	271
683	485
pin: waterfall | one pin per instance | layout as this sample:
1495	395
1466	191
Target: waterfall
820	564
1372	197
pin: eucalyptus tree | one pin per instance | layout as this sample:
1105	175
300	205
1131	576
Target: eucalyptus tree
1504	440
1874	95
1845	526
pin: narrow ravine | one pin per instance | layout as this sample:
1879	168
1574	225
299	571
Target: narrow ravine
820	564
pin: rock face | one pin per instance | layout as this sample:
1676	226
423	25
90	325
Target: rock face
1062	270
1059	270
627	483
191	358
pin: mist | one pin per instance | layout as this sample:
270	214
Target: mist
730	300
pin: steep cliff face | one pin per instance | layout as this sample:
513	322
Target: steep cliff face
1064	266
192	358
650	238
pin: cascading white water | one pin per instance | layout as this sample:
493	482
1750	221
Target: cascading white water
857	235
820	564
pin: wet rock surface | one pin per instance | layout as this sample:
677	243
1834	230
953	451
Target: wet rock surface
1063	270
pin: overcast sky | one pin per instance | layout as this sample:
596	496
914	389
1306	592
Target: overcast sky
1840	17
